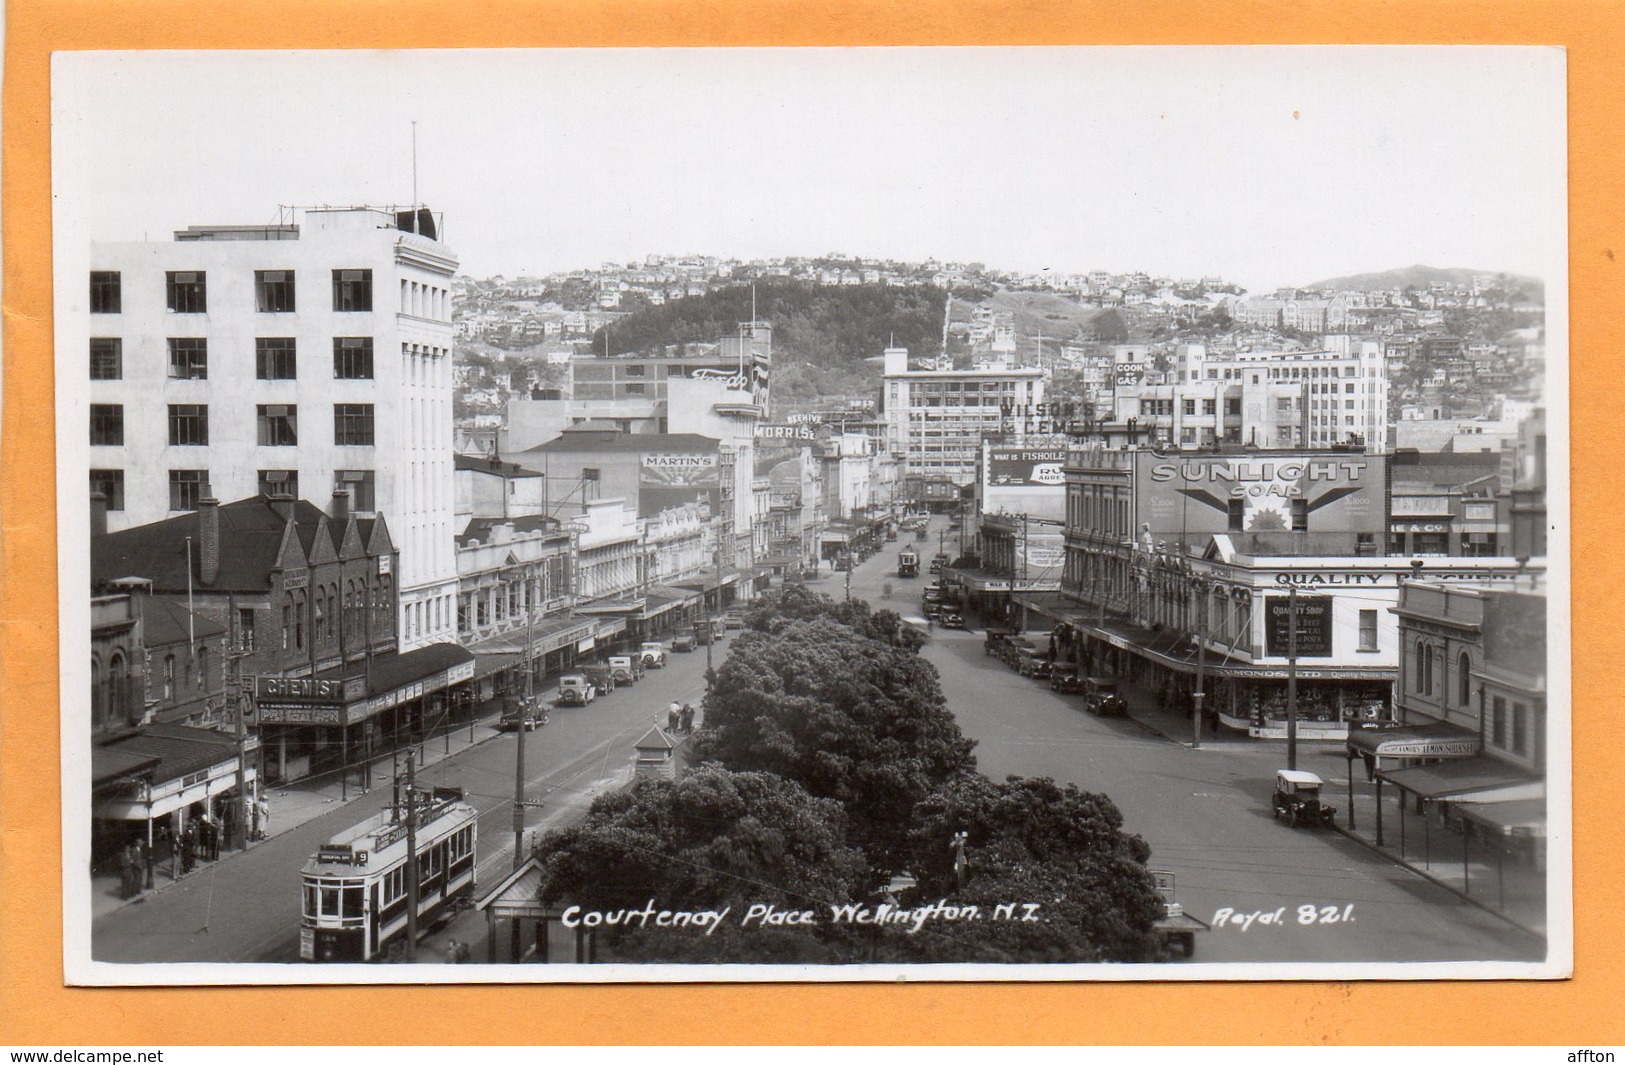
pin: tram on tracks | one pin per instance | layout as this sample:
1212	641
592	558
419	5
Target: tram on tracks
355	890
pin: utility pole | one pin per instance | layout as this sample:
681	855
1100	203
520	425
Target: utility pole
1292	678
1200	694
239	824
716	559
519	754
411	859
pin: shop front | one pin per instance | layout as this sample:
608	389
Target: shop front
548	645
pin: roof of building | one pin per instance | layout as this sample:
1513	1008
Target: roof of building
251	533
585	438
480	528
493	465
177	749
167	621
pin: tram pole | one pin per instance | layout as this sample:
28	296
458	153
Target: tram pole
1292	678
519	754
411	860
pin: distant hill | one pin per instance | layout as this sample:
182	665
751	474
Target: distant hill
822	334
1420	276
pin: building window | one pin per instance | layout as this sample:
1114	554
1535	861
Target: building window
106	292
278	425
107	424
352	358
106	359
1464	679
169	677
1237	511
1210	406
273	291
188	291
276	358
359	483
186	487
352	290
1421	665
635	388
279	483
1498	723
1190	407
1300	515
188	358
1232	407
1520	728
352	424
188	424
110	483
1368	630
245	629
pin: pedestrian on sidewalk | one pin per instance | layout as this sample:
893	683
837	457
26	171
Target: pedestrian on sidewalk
686	718
674	714
262	818
126	864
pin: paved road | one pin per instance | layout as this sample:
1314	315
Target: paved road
1206	815
246	907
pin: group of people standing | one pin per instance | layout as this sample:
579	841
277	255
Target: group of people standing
680	718
199	840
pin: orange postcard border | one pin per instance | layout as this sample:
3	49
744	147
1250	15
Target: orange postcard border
35	1007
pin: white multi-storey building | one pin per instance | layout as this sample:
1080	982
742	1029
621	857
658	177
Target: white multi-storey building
937	418
305	358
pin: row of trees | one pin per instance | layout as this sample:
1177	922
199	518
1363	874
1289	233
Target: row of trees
828	764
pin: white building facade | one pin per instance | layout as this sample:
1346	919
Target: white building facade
303	358
937	418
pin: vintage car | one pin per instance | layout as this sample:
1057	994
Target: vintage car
733	619
625	669
1067	682
524	714
576	690
843	563
1297	799
682	640
949	618
996	640
653	653
1034	663
602	678
1101	697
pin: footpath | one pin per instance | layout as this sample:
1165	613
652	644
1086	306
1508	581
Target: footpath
1513	891
302	801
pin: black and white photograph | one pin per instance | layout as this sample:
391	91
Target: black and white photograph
813	514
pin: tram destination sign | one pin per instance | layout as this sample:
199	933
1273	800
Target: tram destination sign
1314	626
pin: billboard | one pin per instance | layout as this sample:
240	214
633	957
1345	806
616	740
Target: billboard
679	468
1262	491
1009	467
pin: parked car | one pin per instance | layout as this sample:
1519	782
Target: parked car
932	611
1297	799
1101	697
575	689
626	669
1036	664
1067	682
995	640
733	619
683	640
951	619
603	680
843	563
522	713
653	653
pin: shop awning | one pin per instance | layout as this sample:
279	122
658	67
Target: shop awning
1049	604
1466	780
1436	739
545	636
1515	817
108	764
598	607
166	767
496	662
393	669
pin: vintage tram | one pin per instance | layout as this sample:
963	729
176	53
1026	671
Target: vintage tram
355	886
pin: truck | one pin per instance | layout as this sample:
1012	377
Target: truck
908	563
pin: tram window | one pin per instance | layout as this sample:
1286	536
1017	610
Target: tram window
310	900
330	901
352	898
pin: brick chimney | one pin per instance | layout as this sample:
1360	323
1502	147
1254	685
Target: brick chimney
282	503
98	514
208	527
340	510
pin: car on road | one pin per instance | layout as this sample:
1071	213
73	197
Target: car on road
683	640
575	689
1102	697
522	713
843	563
733	619
603	681
626	669
1034	663
653	653
951	619
1067	682
1297	799
996	640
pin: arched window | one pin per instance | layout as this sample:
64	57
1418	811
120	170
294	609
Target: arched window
118	688
1464	678
202	668
287	620
319	624
98	694
332	608
299	621
1420	669
169	677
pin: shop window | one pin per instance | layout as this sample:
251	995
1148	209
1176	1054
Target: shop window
187	291
273	291
106	359
106	292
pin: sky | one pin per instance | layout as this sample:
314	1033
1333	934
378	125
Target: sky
1267	166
